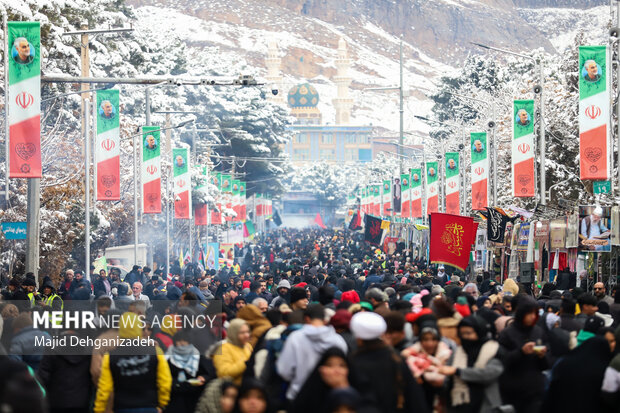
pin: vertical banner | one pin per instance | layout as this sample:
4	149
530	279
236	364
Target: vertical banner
182	183
453	184
151	170
416	193
397	196
387	198
405	207
258	201
216	213
201	210
376	192
523	185
226	193
24	98
242	202
432	200
107	147
594	102
479	171
235	199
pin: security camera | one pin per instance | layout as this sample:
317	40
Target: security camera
537	90
178	82
461	146
274	90
491	124
613	32
209	82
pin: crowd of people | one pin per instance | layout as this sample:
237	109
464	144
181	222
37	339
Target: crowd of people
315	321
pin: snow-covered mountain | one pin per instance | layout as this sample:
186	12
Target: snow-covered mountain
437	37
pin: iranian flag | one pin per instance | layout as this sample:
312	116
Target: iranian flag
235	199
523	181
24	111
376	190
151	170
405	202
107	146
416	193
216	214
453	184
365	200
387	197
479	171
201	210
242	202
182	183
432	191
594	102
258	200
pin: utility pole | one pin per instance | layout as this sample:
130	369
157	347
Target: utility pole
32	229
543	138
401	110
617	100
86	103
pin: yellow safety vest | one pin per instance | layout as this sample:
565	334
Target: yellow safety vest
31	299
50	300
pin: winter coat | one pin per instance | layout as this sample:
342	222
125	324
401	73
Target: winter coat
24	348
384	380
184	396
523	374
66	379
302	350
230	361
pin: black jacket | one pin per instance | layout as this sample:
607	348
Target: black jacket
383	378
523	377
184	396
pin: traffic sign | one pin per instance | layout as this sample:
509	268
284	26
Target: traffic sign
602	187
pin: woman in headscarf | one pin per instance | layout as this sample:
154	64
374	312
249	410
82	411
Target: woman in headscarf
474	371
189	370
577	378
611	381
331	373
524	354
235	351
425	357
218	397
252	398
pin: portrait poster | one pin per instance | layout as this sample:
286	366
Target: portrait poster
523	183
212	255
151	170
107	146
453	184
432	187
387	198
24	99
594	118
479	171
416	193
594	229
397	195
182	183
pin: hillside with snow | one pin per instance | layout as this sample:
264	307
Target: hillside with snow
437	36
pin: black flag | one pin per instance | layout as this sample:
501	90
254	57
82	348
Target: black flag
372	231
276	218
496	224
356	222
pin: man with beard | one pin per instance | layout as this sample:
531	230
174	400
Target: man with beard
282	289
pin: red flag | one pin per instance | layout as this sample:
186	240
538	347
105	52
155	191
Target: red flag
319	221
200	215
473	234
451	237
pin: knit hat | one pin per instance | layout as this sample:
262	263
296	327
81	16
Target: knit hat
462	307
29	282
246	284
350	296
297	294
377	295
284	284
341	319
301	285
437	289
129	326
367	326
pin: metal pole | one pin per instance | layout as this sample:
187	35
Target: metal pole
401	110
167	220
617	103
148	106
543	140
135	198
495	177
94	146
87	188
6	111
32	229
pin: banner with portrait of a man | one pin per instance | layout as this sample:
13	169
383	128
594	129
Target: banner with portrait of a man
523	181
107	146
594	229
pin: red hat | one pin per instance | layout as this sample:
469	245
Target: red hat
178	284
350	296
463	309
341	319
246	284
412	317
301	285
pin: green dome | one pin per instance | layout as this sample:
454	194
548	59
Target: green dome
303	95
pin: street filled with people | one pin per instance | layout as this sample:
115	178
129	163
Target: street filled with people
313	320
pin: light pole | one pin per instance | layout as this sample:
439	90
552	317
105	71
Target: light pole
539	90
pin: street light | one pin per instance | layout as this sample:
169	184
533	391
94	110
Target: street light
538	90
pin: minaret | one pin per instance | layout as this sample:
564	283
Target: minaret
343	103
273	63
